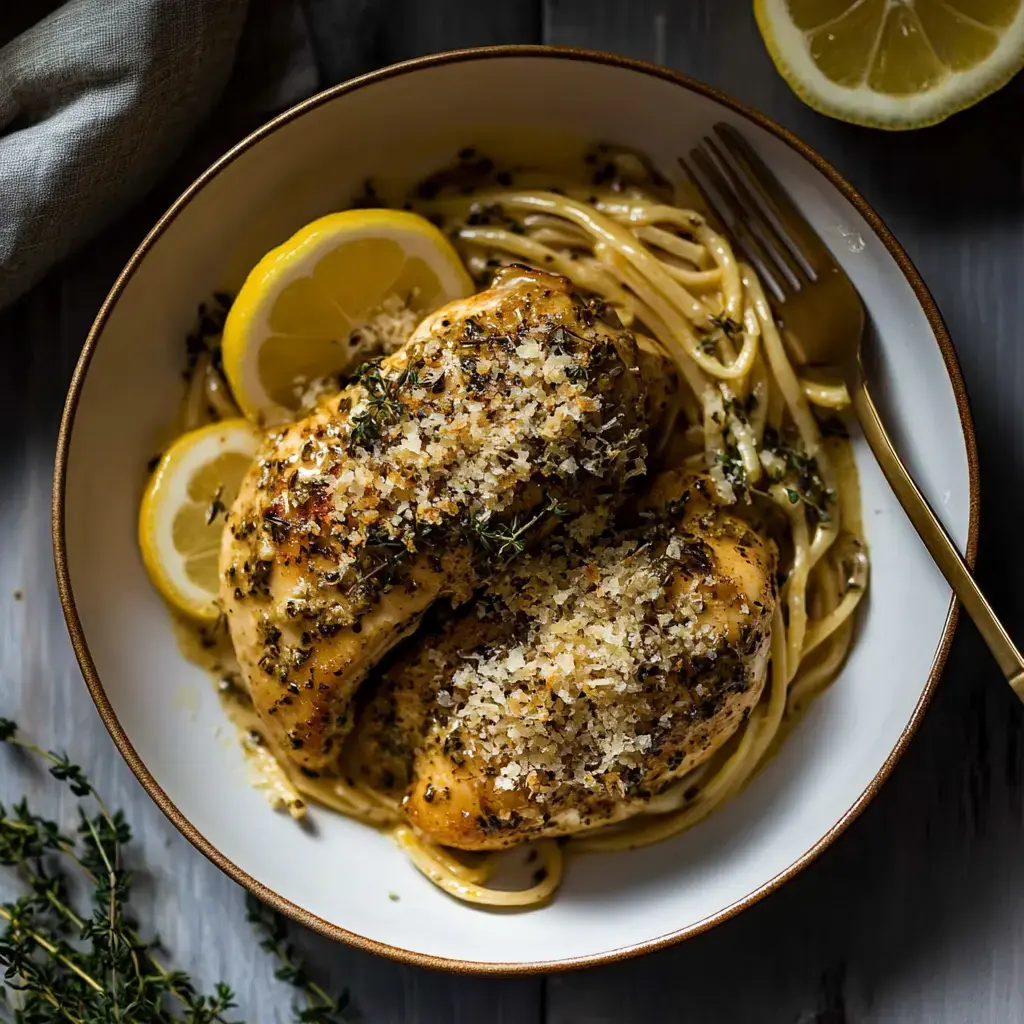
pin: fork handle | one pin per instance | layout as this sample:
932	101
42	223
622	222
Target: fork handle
940	546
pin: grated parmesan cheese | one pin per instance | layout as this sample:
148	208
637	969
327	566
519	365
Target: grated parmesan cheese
599	679
382	331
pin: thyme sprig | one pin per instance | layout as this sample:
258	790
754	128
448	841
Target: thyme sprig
317	1007
62	964
796	471
382	558
382	406
503	541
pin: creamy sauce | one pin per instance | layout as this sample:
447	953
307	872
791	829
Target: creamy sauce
272	770
209	648
840	451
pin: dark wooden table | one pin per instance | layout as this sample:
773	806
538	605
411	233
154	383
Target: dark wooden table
917	913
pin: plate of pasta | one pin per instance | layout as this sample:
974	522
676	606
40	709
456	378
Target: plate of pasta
481	582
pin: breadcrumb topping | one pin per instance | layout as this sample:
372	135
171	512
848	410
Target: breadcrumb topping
382	331
587	691
465	430
433	468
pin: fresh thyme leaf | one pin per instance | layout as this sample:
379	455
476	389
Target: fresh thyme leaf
505	541
721	325
731	463
63	770
729	327
319	1007
382	406
564	342
365	431
740	409
61	964
802	476
216	507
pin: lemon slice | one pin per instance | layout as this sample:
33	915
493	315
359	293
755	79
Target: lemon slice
893	63
183	511
300	307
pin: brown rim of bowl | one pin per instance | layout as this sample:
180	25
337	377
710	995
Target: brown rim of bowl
74	624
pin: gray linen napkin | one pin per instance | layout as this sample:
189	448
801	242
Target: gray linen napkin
95	100
98	97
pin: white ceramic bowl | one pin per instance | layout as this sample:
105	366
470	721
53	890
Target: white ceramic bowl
162	712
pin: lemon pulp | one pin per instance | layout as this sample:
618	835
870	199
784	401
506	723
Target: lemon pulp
314	316
183	511
893	63
198	523
298	315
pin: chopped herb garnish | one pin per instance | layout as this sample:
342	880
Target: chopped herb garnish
722	325
731	462
382	406
729	327
506	541
833	427
802	470
279	527
206	337
216	507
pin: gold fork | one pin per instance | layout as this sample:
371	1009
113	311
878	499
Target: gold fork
824	319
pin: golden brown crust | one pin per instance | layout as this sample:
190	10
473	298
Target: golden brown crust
502	412
581	684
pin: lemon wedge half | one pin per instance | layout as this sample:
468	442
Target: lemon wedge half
296	318
893	64
182	515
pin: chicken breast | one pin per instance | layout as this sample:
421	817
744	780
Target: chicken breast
663	412
583	682
504	414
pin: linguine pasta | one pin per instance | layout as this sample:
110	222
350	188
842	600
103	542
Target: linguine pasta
749	419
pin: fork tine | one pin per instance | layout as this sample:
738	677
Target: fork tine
802	240
767	233
714	217
729	212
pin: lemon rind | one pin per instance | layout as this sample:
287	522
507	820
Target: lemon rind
865	107
159	504
418	238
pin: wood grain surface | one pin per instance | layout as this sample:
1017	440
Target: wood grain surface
917	913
